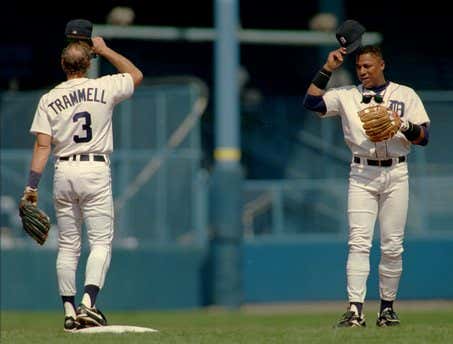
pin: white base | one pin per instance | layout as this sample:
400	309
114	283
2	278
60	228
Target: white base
115	329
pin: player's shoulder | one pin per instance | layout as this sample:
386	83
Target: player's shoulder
117	76
54	88
343	89
401	87
402	91
347	87
68	85
47	94
117	81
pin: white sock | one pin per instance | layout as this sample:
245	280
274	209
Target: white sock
69	310
86	300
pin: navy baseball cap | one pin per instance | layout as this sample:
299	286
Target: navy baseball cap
349	35
79	29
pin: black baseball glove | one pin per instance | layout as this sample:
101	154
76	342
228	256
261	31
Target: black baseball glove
34	221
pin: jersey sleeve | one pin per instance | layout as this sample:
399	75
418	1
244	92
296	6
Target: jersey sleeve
332	100
41	122
417	113
121	86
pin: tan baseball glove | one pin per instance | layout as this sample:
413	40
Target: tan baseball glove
379	122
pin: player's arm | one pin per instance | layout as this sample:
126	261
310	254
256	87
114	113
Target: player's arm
313	98
121	63
415	133
41	152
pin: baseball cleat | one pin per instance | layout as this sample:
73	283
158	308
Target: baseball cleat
351	319
388	317
71	324
90	316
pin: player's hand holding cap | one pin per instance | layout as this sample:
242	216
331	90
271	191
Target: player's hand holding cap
349	35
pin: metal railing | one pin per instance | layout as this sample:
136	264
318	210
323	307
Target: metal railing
158	186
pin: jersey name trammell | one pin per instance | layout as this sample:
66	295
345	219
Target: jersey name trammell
77	113
89	94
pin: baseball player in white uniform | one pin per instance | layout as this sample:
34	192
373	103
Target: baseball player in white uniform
76	118
378	180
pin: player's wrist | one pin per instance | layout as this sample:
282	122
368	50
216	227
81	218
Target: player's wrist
326	68
405	125
322	78
33	179
412	132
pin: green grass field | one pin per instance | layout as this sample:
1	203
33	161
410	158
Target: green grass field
213	327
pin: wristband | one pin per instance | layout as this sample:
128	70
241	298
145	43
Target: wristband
33	179
412	132
404	125
322	78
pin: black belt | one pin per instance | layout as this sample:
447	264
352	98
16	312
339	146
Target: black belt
383	163
82	157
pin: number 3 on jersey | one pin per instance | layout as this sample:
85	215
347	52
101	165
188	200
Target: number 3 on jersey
85	126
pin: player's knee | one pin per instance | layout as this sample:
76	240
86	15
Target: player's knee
360	240
359	243
69	248
392	252
359	248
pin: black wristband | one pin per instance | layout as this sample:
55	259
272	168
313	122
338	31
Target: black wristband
33	179
413	132
322	78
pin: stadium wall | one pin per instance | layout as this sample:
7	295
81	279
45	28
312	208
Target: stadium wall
178	278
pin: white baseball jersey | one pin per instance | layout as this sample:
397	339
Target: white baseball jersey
347	102
77	113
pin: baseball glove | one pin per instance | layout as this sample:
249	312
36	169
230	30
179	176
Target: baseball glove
34	221
379	122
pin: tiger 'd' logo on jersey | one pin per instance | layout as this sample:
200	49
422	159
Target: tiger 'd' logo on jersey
397	106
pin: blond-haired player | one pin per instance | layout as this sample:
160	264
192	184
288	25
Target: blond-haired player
75	117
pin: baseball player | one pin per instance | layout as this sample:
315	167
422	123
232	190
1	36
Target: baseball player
378	180
76	118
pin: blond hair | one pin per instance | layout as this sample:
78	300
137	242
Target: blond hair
75	58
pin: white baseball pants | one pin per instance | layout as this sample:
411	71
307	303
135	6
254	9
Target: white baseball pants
376	192
83	193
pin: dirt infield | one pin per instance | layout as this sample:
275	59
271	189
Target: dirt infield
328	306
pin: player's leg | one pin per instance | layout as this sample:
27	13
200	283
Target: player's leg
69	220
362	213
98	213
97	208
392	220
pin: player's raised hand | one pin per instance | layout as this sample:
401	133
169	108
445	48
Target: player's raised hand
335	59
99	46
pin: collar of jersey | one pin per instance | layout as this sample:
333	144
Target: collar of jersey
72	82
76	80
377	89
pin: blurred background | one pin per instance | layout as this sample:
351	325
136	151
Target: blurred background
186	234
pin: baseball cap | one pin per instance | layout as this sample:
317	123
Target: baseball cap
79	28
349	35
